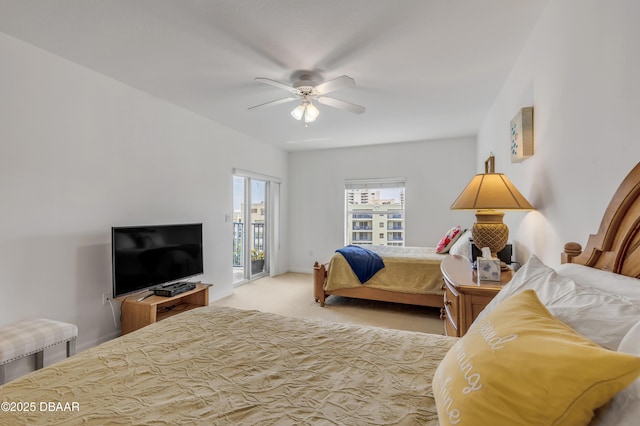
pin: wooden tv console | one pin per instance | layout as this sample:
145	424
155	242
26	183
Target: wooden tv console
135	315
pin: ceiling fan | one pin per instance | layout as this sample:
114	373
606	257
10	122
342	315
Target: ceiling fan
306	89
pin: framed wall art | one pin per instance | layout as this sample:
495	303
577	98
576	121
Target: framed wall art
522	135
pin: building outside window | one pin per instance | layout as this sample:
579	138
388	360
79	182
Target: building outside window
383	198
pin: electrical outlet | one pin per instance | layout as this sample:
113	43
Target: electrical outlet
105	298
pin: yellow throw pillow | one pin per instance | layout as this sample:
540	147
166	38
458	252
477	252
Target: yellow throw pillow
521	366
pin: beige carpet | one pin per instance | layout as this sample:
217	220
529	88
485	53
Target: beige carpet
291	294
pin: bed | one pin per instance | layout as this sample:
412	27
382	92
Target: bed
411	275
215	365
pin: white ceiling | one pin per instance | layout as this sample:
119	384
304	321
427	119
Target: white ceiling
424	69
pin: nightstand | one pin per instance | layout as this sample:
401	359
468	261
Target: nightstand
464	296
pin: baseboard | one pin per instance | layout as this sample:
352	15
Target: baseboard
308	270
96	342
218	296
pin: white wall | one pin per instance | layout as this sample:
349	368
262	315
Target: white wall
581	72
436	172
80	153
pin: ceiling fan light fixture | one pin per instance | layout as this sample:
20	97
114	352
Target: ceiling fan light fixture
311	113
307	110
298	112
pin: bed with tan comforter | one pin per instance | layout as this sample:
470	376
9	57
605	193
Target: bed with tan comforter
216	365
414	270
410	275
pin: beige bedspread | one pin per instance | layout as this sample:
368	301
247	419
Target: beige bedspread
414	270
216	365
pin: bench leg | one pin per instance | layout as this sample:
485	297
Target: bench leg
2	373
71	347
39	360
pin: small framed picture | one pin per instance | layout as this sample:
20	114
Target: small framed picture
522	135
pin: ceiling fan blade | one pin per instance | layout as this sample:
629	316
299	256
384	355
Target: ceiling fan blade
277	84
277	102
337	103
334	84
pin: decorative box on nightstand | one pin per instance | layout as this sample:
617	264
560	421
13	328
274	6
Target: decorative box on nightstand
464	296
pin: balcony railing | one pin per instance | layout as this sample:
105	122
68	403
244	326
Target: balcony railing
362	228
238	238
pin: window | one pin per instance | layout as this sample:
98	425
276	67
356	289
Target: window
383	198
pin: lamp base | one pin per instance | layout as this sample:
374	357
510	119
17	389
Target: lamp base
490	231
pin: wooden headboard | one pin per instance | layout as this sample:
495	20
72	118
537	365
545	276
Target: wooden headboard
616	246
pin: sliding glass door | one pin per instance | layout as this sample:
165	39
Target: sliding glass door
257	227
238	229
250	228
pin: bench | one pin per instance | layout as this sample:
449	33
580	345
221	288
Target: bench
33	336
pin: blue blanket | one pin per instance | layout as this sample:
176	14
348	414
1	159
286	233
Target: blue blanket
364	263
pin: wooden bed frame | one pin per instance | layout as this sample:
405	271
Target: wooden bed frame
368	293
616	246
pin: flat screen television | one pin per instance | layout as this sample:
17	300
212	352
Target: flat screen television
146	256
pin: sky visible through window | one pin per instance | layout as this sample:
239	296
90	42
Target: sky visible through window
391	193
257	191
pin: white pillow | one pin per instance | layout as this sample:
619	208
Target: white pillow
601	317
624	408
602	280
462	246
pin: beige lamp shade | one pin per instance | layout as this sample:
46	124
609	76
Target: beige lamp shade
487	193
493	191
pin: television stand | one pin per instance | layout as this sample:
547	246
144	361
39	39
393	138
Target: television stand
137	314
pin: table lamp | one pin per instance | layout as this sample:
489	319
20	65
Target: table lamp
489	193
